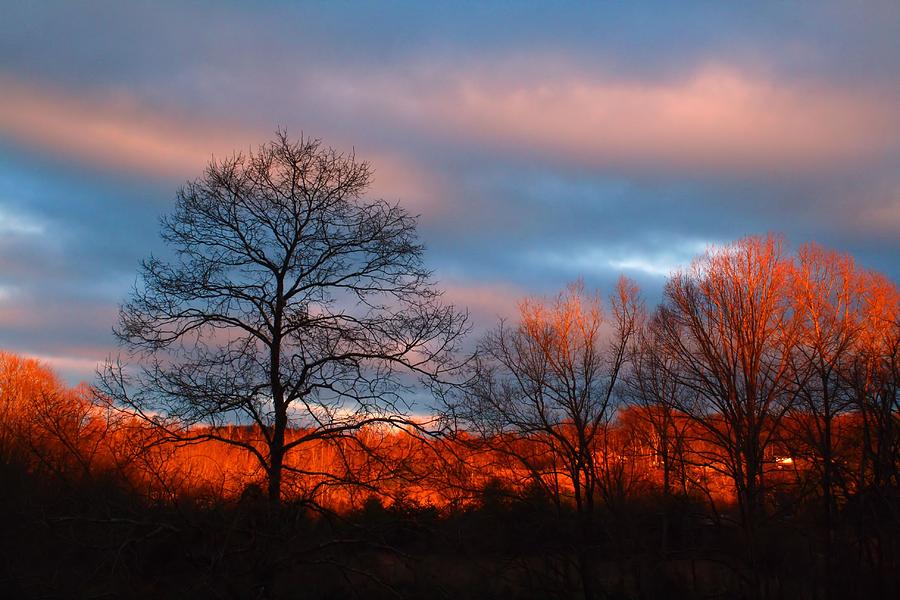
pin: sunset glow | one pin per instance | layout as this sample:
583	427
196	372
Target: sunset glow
484	299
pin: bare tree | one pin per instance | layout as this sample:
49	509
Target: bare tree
53	429
728	324
874	380
543	395
828	299
23	382
289	301
655	391
657	397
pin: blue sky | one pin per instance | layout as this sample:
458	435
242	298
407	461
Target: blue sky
539	142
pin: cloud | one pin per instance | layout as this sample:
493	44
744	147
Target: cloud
485	301
113	130
70	335
16	224
401	178
73	368
717	118
118	131
610	141
619	258
879	217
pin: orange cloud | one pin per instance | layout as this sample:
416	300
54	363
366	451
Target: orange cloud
717	118
399	178
112	131
116	132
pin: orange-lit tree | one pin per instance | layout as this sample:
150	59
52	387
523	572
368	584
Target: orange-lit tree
52	429
875	380
729	326
827	293
654	393
289	302
873	377
24	383
543	392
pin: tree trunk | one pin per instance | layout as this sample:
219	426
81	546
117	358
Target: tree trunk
275	467
276	455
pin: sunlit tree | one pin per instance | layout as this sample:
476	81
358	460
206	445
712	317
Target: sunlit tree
49	427
874	380
543	394
24	382
728	324
828	297
656	393
656	397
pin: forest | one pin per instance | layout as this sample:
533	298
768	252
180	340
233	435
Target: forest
297	413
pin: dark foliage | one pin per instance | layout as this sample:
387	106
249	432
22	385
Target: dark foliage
96	539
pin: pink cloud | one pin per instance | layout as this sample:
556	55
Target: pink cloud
118	131
400	178
20	312
72	367
719	117
113	130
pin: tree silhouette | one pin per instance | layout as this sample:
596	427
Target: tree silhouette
289	301
654	392
542	395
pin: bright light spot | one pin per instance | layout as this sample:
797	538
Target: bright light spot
659	263
659	269
784	460
17	224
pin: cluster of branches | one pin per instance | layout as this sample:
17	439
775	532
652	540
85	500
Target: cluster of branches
290	302
755	359
766	350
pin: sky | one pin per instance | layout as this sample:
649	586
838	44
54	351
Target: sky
537	142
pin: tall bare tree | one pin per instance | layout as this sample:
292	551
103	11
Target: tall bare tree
728	323
543	394
827	292
874	378
657	398
289	301
655	392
